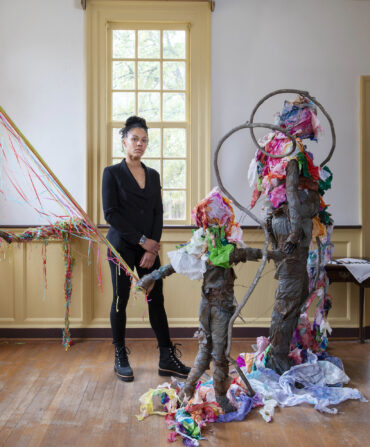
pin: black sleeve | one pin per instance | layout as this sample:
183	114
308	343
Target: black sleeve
112	212
158	215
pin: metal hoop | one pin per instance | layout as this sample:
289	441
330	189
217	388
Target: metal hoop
247	125
306	95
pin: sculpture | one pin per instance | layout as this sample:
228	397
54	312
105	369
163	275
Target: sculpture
287	176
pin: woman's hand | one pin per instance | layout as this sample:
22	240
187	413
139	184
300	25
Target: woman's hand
151	246
147	260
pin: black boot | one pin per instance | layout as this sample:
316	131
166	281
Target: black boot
122	366
169	363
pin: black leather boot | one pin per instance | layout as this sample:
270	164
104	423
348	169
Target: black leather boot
169	363
122	366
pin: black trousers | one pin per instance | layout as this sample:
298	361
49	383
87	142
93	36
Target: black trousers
121	292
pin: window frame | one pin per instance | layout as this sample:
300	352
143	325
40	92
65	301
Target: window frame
161	124
100	14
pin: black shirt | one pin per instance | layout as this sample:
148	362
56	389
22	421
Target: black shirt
130	210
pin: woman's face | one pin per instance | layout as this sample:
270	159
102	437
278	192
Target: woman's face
135	143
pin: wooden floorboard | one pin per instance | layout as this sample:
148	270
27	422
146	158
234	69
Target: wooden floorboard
53	398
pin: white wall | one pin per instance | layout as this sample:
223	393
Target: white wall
322	46
42	87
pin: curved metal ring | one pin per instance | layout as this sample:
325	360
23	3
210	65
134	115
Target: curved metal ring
265	246
306	95
247	125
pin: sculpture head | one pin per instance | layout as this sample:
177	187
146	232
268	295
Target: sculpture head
216	210
300	118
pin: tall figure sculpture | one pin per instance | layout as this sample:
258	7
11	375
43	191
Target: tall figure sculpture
292	185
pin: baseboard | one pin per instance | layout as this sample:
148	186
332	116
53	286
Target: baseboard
185	332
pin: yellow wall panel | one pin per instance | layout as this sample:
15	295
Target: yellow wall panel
44	306
22	303
8	258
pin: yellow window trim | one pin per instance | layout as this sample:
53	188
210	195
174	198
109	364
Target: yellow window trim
101	14
365	162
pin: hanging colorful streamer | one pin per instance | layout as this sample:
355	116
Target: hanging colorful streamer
25	178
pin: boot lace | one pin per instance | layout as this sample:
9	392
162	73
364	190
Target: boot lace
176	354
122	353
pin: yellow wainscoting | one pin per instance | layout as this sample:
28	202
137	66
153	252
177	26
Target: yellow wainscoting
24	304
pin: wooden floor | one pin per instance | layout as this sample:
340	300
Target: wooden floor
49	397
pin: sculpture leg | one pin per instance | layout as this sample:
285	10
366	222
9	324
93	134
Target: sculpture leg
221	379
203	358
201	364
290	295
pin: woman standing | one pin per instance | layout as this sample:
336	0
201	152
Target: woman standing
133	207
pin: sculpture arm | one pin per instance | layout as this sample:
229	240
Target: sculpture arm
147	281
253	254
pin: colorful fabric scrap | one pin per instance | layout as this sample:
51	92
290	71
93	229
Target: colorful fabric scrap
320	384
315	337
213	242
161	400
299	117
216	210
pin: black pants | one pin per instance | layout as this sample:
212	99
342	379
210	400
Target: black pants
121	291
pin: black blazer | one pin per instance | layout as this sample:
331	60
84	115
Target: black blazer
130	210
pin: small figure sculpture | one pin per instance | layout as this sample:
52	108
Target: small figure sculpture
210	254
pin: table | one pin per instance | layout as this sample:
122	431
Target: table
339	273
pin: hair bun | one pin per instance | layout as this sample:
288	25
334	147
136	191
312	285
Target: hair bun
135	120
131	123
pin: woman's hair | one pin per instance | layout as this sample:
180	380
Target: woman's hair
131	123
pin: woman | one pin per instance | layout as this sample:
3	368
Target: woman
133	207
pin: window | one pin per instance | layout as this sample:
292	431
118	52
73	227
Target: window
148	73
151	59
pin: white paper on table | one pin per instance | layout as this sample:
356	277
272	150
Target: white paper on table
360	268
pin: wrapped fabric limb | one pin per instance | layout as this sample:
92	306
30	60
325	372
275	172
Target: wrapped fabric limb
238	255
147	281
292	233
254	254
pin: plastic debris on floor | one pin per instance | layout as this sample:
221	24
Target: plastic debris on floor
318	381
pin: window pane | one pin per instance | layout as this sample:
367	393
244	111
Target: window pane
174	75
174	173
149	106
149	44
124	44
123	105
157	92
148	75
174	106
155	164
174	44
154	146
174	204
123	74
174	142
117	149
